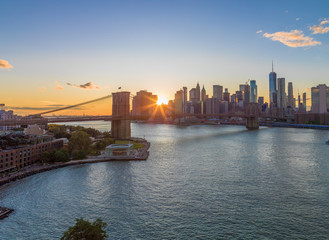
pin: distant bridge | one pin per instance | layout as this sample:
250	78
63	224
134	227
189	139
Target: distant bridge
120	127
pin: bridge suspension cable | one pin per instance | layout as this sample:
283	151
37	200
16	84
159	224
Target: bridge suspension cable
73	106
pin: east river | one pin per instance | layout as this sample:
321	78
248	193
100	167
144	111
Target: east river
200	182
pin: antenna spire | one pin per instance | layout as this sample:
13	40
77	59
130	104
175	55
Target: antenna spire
272	66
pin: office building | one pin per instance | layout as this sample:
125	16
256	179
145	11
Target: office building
185	100
226	95
291	101
253	91
218	92
320	99
179	100
281	93
198	92
272	88
261	100
144	103
246	95
203	94
304	100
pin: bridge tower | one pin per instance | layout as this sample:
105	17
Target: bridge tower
120	127
252	113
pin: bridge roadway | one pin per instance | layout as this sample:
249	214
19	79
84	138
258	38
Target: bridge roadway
46	120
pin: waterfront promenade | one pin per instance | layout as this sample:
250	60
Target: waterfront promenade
137	155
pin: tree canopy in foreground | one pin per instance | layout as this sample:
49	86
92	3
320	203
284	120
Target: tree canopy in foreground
85	230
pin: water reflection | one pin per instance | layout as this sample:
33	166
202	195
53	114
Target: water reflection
200	181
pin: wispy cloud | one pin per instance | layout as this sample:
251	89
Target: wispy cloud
294	38
58	86
297	19
259	31
320	29
5	64
88	85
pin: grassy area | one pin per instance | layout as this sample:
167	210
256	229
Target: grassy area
135	144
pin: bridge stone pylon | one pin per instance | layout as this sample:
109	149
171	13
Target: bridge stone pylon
252	114
120	127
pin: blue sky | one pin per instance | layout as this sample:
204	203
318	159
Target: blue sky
155	45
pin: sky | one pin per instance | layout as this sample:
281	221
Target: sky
58	53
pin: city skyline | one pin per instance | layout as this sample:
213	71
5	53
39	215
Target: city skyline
93	49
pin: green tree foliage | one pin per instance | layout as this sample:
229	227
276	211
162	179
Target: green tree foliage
85	230
59	131
79	154
55	156
79	141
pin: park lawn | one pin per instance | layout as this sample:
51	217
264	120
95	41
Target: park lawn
135	144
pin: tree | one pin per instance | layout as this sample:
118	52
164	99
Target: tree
86	230
61	156
79	141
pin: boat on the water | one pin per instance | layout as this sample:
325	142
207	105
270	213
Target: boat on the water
327	142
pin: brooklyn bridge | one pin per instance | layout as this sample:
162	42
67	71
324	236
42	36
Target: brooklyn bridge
121	117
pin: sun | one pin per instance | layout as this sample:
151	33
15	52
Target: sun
162	100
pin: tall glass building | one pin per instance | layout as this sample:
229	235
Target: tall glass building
253	91
272	90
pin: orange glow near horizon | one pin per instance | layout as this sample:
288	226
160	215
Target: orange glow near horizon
162	100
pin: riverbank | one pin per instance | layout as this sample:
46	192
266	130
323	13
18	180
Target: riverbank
137	155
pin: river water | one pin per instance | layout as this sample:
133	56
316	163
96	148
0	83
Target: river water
200	182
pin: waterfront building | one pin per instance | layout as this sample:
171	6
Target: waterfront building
144	103
320	99
291	101
281	93
261	100
226	95
272	88
22	156
253	91
218	92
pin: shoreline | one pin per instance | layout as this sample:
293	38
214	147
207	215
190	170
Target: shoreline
43	168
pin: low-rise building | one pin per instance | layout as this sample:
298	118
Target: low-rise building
22	156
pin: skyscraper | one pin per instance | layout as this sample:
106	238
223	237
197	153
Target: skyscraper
253	91
281	93
218	92
291	101
226	95
179	99
198	95
185	100
272	89
320	99
203	94
304	99
246	96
